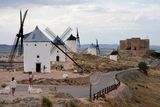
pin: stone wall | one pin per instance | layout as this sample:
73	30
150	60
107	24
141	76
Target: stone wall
134	47
130	53
134	44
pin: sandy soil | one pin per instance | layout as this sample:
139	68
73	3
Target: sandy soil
6	76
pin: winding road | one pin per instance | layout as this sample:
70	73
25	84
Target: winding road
104	80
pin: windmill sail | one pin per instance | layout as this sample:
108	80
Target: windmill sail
78	39
58	41
18	42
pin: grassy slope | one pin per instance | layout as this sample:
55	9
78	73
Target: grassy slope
146	90
94	63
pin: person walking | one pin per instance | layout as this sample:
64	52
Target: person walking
13	84
30	78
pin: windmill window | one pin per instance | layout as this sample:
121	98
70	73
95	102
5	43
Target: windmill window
57	51
37	56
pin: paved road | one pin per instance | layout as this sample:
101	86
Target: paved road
106	79
103	80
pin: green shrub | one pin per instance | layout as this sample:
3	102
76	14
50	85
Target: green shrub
72	103
155	54
3	85
46	102
143	68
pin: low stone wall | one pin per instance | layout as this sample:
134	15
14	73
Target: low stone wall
50	81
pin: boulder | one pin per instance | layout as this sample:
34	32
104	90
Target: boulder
5	90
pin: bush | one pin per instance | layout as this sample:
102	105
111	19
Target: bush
155	54
46	102
143	68
72	103
3	85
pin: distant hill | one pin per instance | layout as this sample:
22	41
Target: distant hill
5	47
108	46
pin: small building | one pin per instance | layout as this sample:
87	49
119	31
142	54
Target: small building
92	49
114	56
57	56
36	52
71	43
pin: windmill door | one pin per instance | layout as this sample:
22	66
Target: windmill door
57	58
38	67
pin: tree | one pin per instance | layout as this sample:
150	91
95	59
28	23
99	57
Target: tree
143	68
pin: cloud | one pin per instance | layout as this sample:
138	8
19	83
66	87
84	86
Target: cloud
19	3
109	21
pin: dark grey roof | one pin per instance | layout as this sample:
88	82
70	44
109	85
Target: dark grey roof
36	36
58	41
71	37
26	35
114	53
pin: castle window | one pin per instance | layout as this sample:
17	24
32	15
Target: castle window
35	44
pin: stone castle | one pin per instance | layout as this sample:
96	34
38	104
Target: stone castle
134	47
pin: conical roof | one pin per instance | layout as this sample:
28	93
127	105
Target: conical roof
71	37
114	53
36	36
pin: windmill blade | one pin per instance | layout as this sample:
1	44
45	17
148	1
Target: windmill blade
65	33
14	49
20	47
78	40
53	36
24	16
97	45
50	33
67	48
18	42
20	17
53	49
68	56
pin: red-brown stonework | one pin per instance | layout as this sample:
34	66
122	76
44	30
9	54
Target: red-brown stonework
134	47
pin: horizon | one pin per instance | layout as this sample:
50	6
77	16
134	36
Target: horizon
91	43
108	21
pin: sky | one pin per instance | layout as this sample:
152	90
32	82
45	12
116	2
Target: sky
107	20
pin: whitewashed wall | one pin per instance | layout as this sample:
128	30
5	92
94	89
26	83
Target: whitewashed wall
72	45
92	51
113	57
30	56
56	52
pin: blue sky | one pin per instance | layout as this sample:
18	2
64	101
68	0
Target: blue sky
107	20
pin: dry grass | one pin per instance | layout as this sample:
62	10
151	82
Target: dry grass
146	90
93	63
